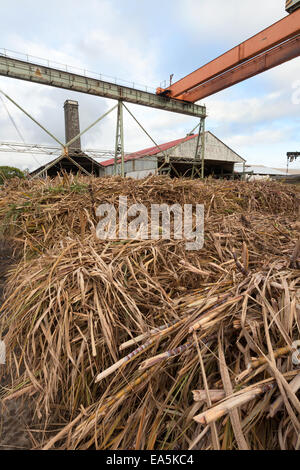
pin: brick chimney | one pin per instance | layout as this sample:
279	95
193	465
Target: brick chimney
72	127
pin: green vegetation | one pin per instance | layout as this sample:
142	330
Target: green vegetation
8	172
75	188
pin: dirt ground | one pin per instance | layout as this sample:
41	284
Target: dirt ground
14	415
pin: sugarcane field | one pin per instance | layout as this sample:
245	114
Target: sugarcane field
149	231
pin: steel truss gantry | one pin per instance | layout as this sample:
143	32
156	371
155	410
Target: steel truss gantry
46	75
119	155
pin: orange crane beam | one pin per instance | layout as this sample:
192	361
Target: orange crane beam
276	56
270	37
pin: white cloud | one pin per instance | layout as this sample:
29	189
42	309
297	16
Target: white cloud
230	21
284	76
265	137
264	109
136	61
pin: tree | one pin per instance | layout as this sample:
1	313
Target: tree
8	172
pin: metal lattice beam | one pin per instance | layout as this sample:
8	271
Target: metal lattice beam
23	70
48	150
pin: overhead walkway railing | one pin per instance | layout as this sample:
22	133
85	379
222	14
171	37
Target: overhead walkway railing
57	77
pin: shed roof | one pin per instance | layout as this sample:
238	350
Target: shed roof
151	150
62	162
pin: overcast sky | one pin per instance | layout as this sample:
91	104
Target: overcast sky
142	41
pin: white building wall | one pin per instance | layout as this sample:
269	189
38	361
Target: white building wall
217	150
140	174
142	166
214	150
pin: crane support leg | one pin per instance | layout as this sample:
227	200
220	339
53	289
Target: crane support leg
200	145
202	148
119	148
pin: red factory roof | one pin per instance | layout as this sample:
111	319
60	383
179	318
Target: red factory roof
151	150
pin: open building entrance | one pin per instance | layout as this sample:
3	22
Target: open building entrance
188	169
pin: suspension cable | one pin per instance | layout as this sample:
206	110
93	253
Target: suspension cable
16	128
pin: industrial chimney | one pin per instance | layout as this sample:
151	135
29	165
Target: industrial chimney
72	124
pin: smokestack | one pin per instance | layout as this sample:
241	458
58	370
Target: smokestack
72	123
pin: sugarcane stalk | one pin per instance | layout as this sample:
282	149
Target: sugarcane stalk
213	312
100	411
215	395
111	401
235	401
143	336
262	360
125	360
275	407
166	355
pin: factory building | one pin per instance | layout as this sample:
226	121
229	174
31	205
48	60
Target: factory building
177	158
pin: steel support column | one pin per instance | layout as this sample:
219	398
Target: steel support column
200	137
202	147
119	147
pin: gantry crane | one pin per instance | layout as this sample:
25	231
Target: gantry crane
267	49
273	46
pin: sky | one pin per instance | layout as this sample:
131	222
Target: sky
144	42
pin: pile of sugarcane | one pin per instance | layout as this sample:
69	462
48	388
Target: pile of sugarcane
141	344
